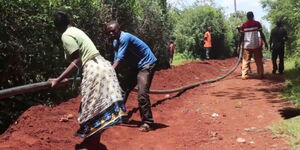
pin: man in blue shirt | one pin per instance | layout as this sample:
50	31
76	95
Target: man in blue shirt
133	52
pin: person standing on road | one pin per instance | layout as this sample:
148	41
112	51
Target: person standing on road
277	40
171	52
207	42
102	102
133	52
251	32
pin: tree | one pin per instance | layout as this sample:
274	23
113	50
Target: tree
288	12
192	24
31	50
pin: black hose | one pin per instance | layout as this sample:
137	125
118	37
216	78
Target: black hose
46	85
183	88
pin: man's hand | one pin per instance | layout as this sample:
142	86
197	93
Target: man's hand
53	81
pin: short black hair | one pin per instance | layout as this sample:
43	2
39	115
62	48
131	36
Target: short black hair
61	18
250	15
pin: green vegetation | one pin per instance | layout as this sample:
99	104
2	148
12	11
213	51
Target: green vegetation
289	129
31	49
180	58
192	23
288	12
292	88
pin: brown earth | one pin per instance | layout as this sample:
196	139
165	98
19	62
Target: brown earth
231	114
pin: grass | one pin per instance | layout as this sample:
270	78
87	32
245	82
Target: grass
292	87
290	128
180	58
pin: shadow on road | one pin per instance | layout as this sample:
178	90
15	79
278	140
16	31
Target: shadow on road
289	112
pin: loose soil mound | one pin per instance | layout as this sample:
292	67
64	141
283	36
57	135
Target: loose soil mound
230	114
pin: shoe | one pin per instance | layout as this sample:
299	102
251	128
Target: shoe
280	72
274	72
245	77
125	120
145	127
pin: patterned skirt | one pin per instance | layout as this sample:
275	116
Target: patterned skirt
102	102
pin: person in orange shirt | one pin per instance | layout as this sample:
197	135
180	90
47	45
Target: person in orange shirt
207	41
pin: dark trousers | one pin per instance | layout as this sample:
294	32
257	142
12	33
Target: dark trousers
278	51
142	78
207	51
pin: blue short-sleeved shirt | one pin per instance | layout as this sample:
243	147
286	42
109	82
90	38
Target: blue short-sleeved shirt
133	51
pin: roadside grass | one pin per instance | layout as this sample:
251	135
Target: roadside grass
180	58
292	87
290	128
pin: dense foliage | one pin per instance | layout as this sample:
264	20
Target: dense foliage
31	49
191	24
287	11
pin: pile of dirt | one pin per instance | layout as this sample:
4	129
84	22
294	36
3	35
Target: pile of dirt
230	114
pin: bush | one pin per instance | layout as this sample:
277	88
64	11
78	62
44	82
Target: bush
31	49
191	26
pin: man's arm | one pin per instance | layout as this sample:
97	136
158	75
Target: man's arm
271	40
264	38
285	36
116	64
120	53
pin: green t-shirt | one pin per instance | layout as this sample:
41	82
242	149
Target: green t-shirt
75	39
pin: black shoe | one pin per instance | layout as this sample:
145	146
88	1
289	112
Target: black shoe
125	120
274	72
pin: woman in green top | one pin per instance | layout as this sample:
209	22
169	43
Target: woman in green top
101	103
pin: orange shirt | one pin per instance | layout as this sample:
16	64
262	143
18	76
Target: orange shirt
207	39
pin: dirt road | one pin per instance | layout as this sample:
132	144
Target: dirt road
231	114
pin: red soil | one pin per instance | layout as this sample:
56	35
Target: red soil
209	117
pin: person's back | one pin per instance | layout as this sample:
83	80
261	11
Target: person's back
251	39
133	51
277	39
251	34
86	47
278	36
